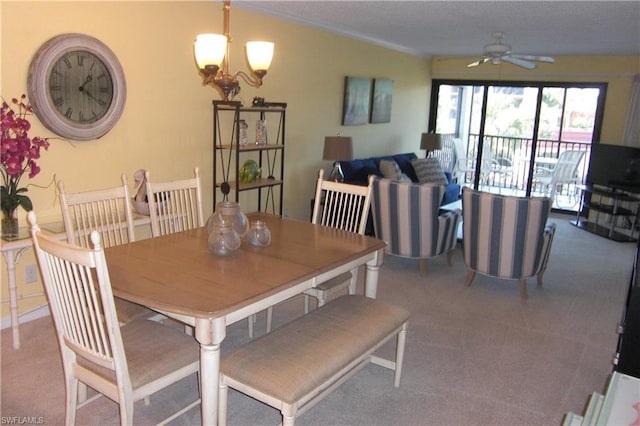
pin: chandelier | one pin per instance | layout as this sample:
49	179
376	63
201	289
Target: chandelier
212	57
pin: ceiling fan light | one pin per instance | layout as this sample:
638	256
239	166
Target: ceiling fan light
259	55
210	49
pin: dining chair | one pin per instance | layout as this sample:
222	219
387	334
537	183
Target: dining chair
174	206
341	206
125	363
107	211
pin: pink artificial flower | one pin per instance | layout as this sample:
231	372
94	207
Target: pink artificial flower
17	152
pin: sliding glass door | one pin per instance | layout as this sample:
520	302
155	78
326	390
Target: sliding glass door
508	135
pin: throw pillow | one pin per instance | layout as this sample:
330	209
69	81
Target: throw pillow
391	170
429	170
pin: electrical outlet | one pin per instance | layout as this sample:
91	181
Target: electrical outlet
30	274
285	212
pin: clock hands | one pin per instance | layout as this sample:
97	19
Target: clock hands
86	81
86	92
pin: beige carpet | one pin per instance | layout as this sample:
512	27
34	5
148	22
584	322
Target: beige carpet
475	356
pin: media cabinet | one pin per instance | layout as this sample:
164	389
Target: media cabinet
602	201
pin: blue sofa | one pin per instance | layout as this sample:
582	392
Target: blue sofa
358	171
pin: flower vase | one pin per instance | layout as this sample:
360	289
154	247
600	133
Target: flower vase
10	225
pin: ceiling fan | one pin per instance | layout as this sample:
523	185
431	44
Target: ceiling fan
498	51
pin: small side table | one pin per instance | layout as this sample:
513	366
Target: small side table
12	251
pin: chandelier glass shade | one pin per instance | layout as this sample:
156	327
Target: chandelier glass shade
212	56
210	49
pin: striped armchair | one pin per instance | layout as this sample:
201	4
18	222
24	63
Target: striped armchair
505	236
406	216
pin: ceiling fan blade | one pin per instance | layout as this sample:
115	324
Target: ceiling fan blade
478	62
535	58
452	58
516	61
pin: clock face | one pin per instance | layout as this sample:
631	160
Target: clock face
80	87
76	86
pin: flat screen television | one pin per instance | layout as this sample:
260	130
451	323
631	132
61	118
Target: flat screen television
614	166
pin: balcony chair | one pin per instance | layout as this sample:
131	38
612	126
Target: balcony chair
506	237
446	155
107	211
491	166
407	216
564	172
125	363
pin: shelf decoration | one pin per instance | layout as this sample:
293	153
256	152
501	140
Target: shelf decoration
261	132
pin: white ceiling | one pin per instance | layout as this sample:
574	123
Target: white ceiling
462	28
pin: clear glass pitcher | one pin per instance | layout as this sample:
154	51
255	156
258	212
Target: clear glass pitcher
229	212
259	234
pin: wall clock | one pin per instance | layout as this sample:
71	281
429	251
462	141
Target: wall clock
77	86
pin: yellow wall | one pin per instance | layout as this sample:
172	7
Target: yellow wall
617	71
166	126
167	123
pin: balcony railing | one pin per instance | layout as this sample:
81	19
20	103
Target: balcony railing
513	160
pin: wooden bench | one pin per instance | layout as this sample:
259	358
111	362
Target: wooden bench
298	364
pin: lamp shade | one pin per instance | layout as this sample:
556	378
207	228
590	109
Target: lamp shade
430	141
210	49
338	148
259	55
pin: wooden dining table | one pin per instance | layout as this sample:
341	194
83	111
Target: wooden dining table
178	276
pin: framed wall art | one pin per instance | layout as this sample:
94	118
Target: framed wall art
381	102
357	97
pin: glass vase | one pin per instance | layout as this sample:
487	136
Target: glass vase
259	234
261	132
223	239
10	226
229	212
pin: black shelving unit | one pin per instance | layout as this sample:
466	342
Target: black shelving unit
229	154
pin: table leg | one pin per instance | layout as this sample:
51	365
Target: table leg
12	258
209	333
371	276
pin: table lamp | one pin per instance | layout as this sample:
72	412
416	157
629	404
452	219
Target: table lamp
430	142
337	148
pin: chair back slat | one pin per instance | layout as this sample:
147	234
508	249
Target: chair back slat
175	206
340	205
106	211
